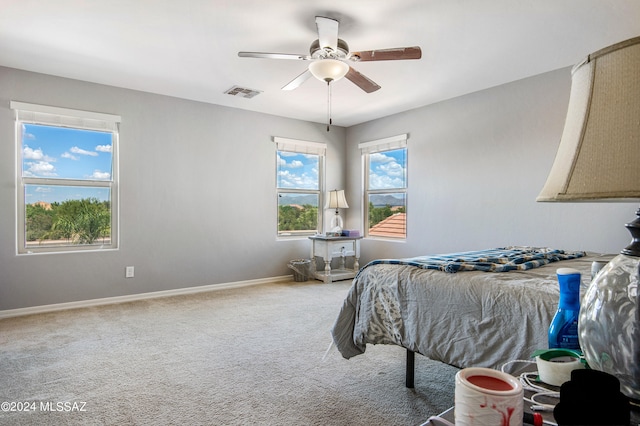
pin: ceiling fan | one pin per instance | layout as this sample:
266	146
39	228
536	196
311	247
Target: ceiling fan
328	55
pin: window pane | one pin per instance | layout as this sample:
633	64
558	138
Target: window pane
387	169
388	215
66	153
67	215
297	171
297	213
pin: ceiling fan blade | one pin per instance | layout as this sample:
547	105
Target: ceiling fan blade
327	32
395	54
361	81
274	55
296	82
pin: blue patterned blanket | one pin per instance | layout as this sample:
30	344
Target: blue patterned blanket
493	260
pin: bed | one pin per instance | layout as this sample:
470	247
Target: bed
479	308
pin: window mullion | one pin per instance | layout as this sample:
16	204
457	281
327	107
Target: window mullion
66	182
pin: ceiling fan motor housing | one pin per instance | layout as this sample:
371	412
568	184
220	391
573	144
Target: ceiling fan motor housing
341	52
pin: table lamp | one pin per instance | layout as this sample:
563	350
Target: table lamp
599	159
336	200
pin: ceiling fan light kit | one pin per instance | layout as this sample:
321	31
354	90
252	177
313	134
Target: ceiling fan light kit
328	69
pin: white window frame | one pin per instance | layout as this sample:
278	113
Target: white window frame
372	147
28	113
302	147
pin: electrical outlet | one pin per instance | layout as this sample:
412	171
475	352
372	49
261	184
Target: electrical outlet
128	272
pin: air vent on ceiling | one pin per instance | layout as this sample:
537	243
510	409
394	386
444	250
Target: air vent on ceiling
243	92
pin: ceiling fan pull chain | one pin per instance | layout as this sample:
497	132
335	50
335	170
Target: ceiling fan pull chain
328	104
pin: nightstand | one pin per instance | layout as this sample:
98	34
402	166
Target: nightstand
332	247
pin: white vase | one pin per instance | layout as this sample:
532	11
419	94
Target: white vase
609	323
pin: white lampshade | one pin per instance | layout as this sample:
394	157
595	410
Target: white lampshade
599	153
337	200
328	69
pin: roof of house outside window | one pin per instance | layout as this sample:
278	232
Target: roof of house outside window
394	226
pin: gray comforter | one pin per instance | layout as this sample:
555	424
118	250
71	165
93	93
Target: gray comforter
465	319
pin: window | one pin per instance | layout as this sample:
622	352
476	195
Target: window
299	171
67	195
385	187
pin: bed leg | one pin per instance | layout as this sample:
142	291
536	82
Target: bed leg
411	362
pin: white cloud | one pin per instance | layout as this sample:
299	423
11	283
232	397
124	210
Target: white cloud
35	154
286	179
392	169
296	173
295	164
384	182
97	174
81	151
40	168
386	172
69	156
378	157
103	148
32	154
387	175
300	181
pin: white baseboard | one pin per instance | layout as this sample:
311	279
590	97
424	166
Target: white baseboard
140	296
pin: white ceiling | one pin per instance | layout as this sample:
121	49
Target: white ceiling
188	48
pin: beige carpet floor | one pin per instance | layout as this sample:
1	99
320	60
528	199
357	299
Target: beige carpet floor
251	355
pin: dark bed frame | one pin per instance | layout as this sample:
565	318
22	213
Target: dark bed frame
410	369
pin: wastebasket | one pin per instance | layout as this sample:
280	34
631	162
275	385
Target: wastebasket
300	269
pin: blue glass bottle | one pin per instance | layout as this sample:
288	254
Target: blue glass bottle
563	332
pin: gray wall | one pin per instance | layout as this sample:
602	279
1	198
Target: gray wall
197	195
197	187
476	165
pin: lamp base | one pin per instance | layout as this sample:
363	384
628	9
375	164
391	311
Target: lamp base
633	249
336	223
609	323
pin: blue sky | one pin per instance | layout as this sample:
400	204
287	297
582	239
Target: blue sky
298	171
388	169
63	153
